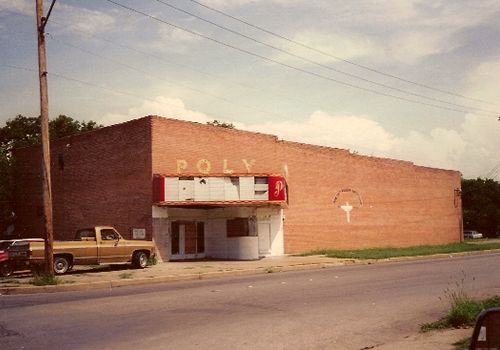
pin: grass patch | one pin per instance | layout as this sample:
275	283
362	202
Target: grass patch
126	275
44	279
9	281
388	252
152	260
463	312
462	344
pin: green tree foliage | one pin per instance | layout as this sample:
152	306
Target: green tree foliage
481	205
24	131
221	124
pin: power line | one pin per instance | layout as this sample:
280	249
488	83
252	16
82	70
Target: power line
294	67
324	65
337	57
82	82
160	58
149	75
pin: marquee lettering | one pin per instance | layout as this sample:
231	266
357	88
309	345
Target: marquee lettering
181	165
225	169
204	166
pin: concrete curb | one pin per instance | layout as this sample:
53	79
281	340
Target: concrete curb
111	284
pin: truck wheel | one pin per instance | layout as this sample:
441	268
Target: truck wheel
61	265
140	260
6	269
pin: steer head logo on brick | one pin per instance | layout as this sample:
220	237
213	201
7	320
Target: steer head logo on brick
347	199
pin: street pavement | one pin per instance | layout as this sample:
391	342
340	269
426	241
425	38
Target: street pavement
368	306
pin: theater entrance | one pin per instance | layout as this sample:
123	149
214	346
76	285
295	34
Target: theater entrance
187	240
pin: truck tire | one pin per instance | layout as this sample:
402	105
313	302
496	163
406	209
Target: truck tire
140	260
61	265
6	269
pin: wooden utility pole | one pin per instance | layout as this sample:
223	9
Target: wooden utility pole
41	20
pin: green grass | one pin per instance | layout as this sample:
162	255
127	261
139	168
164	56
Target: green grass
388	252
44	279
125	275
463	312
462	344
152	260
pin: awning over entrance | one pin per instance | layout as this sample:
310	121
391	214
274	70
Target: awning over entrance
220	191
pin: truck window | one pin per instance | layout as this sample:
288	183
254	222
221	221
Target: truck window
86	234
109	235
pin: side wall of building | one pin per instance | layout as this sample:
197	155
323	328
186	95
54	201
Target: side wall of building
336	199
101	177
359	201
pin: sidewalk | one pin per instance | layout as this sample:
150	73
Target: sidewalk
113	276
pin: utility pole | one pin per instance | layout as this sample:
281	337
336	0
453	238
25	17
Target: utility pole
41	20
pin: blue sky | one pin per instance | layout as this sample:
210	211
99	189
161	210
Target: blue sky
109	64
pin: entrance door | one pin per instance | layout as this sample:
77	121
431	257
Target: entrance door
187	240
264	231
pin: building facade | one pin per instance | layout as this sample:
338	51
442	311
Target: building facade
206	191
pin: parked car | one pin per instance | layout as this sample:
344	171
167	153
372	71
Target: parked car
472	234
10	261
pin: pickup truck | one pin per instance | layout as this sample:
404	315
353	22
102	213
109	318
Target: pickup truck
93	246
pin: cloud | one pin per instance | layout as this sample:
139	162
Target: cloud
484	81
346	46
83	20
162	106
434	28
73	18
24	7
344	131
472	148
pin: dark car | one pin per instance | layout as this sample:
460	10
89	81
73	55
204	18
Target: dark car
12	255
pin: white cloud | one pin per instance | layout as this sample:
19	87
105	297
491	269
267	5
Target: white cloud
24	7
484	81
412	46
162	106
72	17
357	133
346	46
83	20
472	148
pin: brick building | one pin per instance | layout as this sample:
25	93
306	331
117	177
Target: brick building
206	191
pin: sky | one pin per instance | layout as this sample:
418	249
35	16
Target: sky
410	80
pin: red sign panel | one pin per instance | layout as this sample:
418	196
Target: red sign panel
277	188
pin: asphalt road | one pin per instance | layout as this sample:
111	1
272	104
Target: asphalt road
345	307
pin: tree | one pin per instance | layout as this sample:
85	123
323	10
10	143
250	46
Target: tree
24	131
215	122
481	205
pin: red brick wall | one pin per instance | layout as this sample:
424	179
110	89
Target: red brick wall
106	180
402	204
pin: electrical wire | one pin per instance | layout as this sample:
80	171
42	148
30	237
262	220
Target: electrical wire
294	67
324	65
151	76
82	82
280	36
162	59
